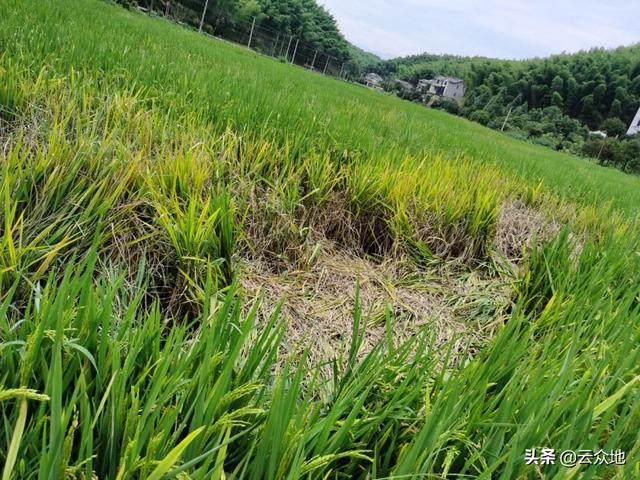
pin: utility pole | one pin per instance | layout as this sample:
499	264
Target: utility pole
604	140
281	48
295	49
600	151
204	11
504	124
253	25
506	119
313	62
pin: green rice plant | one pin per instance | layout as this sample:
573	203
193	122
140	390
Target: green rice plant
201	231
549	267
148	398
543	380
133	408
182	72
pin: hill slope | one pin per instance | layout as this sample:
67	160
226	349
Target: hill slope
260	87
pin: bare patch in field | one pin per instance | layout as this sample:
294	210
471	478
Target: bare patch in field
318	303
518	227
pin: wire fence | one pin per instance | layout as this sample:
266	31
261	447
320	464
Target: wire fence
251	34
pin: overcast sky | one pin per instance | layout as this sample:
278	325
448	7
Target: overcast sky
492	28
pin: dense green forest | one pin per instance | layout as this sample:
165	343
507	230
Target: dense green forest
275	19
363	60
591	86
553	101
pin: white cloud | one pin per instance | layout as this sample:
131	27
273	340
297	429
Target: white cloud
494	28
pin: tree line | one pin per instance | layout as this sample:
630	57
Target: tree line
303	19
554	101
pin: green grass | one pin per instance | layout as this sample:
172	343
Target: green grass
140	161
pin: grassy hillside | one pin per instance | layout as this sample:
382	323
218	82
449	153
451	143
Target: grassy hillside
226	83
151	177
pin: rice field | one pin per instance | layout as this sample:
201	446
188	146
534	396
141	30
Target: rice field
215	265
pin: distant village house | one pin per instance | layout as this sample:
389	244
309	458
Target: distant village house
598	133
402	85
448	87
373	80
634	129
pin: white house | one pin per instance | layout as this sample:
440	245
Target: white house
598	133
450	87
373	80
635	125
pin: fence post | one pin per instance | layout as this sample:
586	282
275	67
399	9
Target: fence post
204	11
324	72
286	55
341	70
253	25
166	9
295	49
313	62
275	45
281	47
150	8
